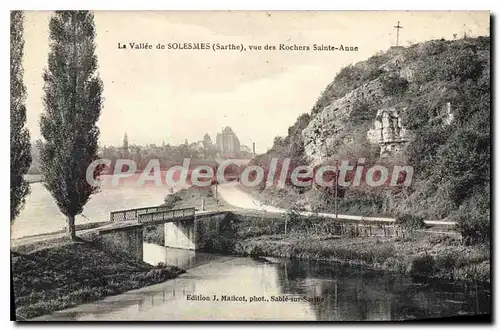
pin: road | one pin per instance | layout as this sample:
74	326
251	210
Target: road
233	194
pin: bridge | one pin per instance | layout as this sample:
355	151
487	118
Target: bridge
157	215
181	228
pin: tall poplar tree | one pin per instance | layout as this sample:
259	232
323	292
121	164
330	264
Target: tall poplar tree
72	108
125	150
20	154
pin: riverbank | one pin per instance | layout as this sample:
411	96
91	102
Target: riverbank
66	274
419	254
434	252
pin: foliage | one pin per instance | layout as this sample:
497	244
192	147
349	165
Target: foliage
316	239
154	234
348	79
442	91
455	156
473	218
292	145
72	108
125	149
394	85
171	200
411	222
20	156
422	265
192	197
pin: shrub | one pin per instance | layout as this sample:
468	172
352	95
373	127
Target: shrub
410	222
473	219
171	201
256	251
393	84
161	265
446	260
154	234
422	265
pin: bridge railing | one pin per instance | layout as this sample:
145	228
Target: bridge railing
133	214
165	215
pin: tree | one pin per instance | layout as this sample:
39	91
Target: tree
125	145
20	149
72	107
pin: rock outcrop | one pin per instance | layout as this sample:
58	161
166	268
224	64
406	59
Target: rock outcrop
338	120
388	132
327	128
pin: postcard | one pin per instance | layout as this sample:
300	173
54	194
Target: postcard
250	165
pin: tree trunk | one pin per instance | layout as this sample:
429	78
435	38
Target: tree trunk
70	230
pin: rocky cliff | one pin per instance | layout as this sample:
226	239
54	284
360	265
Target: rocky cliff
332	123
427	104
329	125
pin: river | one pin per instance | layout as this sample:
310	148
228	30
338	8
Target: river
41	214
326	292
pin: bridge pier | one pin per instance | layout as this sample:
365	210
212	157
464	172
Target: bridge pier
123	237
194	233
183	228
181	234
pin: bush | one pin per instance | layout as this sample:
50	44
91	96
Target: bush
446	260
422	265
161	265
393	84
256	252
473	219
171	201
410	222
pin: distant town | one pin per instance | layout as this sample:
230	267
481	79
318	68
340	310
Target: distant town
226	145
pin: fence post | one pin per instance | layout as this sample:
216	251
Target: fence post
286	223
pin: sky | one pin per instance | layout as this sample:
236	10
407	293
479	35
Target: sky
166	95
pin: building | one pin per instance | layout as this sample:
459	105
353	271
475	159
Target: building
227	142
207	142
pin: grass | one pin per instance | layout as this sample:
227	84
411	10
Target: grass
67	274
309	238
193	197
315	238
424	257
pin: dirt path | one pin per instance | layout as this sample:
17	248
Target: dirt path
234	195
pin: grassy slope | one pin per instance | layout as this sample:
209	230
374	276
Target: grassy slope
67	274
192	197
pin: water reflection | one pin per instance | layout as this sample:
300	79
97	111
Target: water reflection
344	293
359	294
182	258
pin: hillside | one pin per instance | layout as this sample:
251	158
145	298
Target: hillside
428	106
